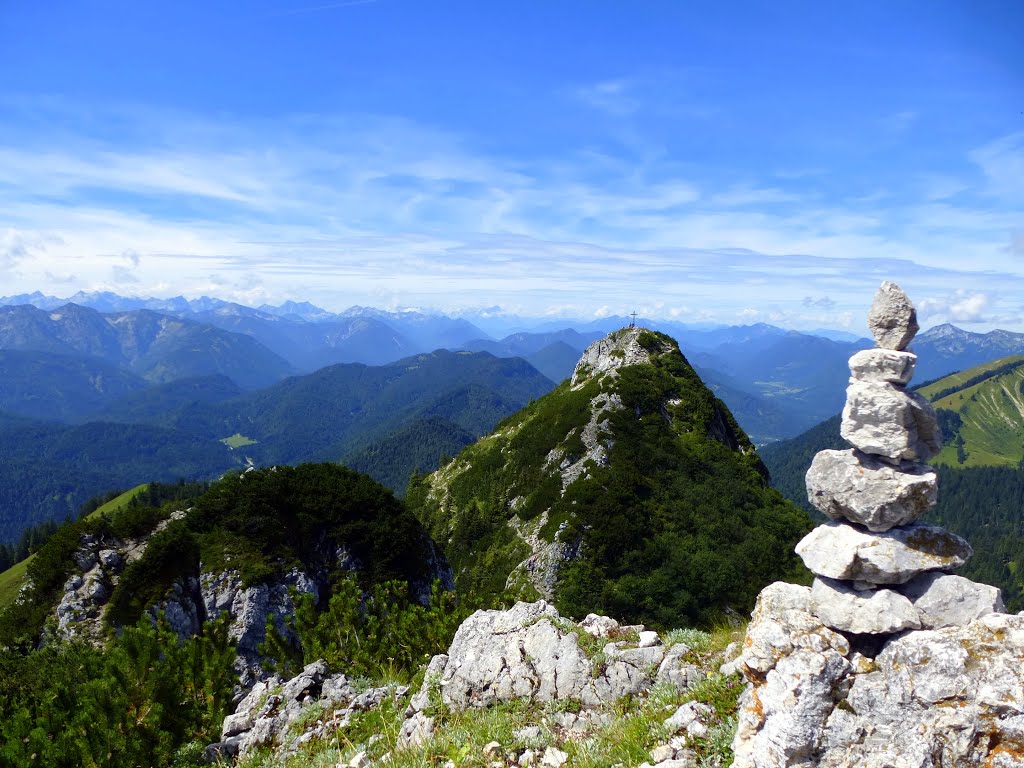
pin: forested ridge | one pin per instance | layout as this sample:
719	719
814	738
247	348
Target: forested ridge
674	527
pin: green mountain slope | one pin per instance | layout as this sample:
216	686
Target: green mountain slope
45	385
47	470
169	431
629	490
982	414
323	416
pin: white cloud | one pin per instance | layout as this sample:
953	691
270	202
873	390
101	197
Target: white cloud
611	96
962	306
347	210
1002	163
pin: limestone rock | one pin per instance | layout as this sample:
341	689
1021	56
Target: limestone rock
798	669
531	652
677	671
689	717
599	626
945	600
948	697
614	351
782	624
854	486
519	653
883	366
841	551
892	318
884	420
872	612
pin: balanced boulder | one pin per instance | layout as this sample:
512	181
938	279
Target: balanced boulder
841	551
863	612
883	366
887	421
892	318
850	485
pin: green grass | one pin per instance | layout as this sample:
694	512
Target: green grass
238	440
960	378
117	503
991	411
11	580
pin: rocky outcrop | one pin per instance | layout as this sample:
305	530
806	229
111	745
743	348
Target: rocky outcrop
614	351
530	652
944	697
193	599
888	660
282	715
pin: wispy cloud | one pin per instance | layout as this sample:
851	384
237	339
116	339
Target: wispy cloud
364	209
612	96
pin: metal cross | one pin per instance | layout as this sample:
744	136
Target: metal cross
632	323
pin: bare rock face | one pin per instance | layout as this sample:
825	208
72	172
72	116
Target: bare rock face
798	669
863	612
849	485
931	699
945	600
892	318
883	366
615	351
884	420
948	697
840	551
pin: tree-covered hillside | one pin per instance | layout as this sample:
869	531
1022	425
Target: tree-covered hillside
668	519
185	429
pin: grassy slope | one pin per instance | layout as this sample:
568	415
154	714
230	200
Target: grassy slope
117	503
992	412
11	579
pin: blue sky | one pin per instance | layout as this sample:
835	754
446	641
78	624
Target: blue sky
732	162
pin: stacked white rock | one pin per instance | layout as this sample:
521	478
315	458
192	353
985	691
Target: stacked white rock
877	570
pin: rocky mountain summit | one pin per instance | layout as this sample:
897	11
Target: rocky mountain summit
888	659
601	494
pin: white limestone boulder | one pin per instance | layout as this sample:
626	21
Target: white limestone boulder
863	612
892	318
946	600
849	485
885	420
883	366
797	668
947	697
842	551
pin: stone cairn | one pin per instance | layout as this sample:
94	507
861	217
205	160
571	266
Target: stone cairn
877	570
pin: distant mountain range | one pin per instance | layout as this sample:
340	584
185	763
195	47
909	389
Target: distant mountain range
777	382
154	346
424	407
